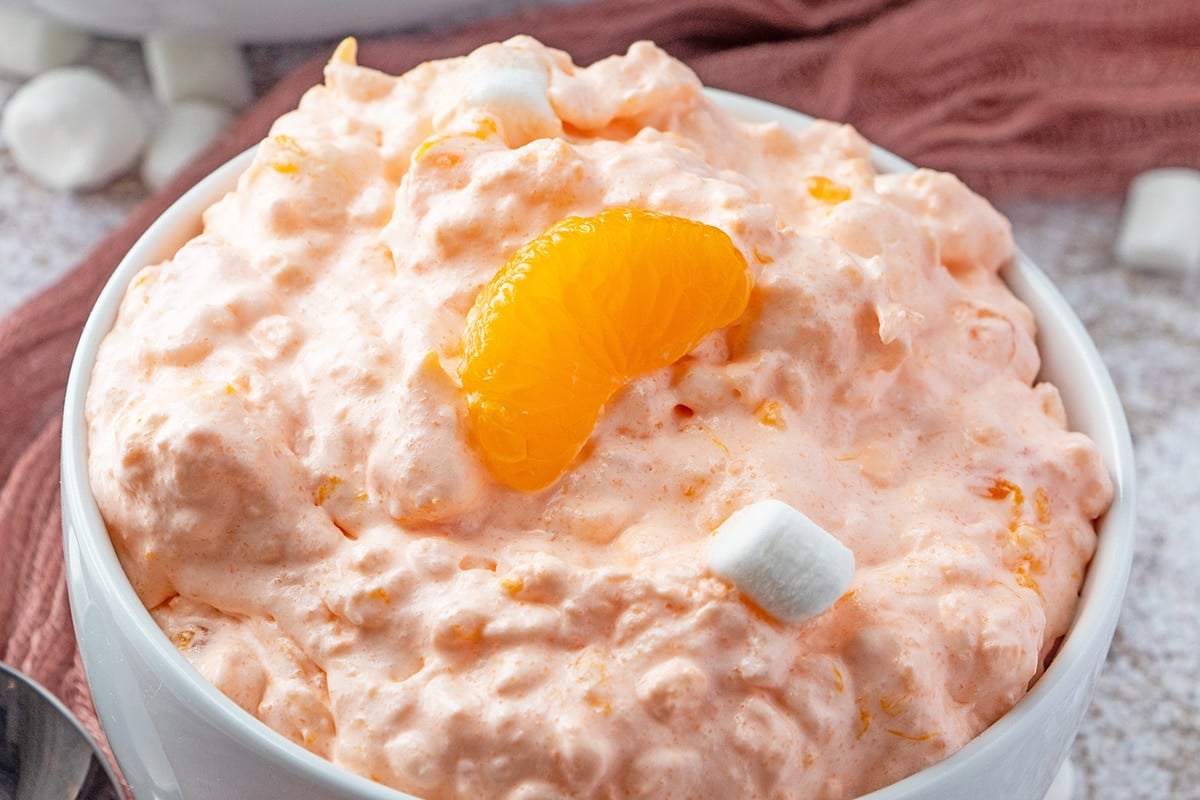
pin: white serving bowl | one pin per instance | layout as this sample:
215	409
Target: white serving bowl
176	736
266	20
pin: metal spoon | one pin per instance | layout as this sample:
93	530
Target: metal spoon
44	752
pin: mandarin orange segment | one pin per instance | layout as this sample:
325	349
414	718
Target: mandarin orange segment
827	191
574	315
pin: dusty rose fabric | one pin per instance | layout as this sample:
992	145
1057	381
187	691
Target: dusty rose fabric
1024	96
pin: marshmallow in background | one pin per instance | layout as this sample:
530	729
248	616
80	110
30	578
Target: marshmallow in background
183	133
1160	227
31	44
200	67
72	128
782	560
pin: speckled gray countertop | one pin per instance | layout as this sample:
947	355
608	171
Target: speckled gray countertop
1141	737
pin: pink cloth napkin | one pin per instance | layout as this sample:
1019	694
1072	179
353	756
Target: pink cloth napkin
1026	96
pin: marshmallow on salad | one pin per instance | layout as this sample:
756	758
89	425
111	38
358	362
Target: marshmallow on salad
782	560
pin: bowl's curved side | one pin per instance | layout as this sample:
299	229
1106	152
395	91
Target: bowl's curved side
173	733
1029	743
177	736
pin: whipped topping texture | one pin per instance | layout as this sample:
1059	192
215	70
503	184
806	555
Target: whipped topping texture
279	448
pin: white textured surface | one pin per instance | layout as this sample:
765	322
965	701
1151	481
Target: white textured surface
1142	733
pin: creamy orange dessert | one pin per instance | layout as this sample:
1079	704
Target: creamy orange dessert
417	450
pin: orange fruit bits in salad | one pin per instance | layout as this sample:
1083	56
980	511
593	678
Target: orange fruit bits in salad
577	313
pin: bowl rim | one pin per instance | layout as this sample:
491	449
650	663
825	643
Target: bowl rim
1094	623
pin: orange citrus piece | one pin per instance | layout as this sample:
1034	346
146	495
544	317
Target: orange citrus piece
827	191
574	315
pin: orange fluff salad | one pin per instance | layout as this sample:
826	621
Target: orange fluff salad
416	450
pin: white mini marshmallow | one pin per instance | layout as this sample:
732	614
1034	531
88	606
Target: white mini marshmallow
1160	227
183	133
517	97
31	44
782	560
72	128
186	66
